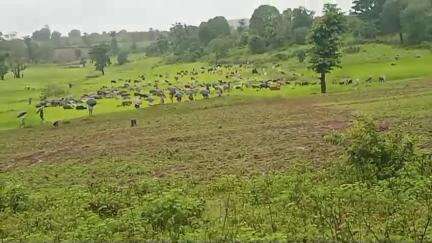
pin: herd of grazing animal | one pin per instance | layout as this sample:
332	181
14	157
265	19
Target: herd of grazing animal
136	91
163	87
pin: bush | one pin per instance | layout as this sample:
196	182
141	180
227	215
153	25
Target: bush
377	154
15	198
301	55
173	212
122	58
257	45
105	205
53	90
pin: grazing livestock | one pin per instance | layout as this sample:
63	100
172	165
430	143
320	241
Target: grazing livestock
178	95
91	103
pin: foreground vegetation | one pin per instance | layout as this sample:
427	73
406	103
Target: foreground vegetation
192	172
345	201
265	158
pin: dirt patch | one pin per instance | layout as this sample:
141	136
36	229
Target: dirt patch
242	139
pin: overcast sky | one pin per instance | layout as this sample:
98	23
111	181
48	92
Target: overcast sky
24	16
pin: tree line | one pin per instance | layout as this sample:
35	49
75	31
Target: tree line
39	47
269	29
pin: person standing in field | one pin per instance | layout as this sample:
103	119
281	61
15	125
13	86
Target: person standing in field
41	112
21	117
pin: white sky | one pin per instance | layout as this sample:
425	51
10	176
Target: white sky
25	16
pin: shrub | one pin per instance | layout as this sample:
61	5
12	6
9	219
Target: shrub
376	153
53	90
301	55
122	58
173	212
15	198
105	205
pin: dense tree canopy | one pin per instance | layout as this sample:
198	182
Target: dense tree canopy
185	41
368	10
214	28
266	22
75	34
416	20
266	30
391	17
43	34
257	44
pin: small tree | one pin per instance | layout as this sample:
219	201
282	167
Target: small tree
325	38
30	48
99	56
17	66
4	69
122	58
83	62
301	55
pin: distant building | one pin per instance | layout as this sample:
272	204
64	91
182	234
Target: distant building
69	54
10	36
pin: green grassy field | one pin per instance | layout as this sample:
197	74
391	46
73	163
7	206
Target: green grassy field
251	165
373	60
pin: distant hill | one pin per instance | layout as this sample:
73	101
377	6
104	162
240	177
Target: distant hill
234	23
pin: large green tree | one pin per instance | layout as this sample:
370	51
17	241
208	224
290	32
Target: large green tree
368	10
185	43
266	22
43	34
296	23
99	54
391	17
302	17
56	38
416	21
74	34
325	53
212	29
